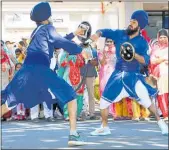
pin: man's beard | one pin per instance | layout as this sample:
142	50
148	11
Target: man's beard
130	31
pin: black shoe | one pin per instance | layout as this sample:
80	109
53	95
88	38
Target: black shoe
80	119
49	119
75	141
3	119
66	119
94	118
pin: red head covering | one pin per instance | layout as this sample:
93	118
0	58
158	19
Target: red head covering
4	57
145	35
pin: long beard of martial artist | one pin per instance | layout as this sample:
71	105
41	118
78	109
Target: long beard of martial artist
130	31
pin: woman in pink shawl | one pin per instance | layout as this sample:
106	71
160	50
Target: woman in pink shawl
107	59
159	70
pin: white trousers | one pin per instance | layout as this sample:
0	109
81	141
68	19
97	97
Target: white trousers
34	111
141	92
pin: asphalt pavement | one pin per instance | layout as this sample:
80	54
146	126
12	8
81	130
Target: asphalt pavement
47	135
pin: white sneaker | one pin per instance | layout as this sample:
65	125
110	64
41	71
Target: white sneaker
166	119
147	119
101	131
136	119
163	126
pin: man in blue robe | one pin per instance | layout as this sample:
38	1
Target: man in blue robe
35	82
126	80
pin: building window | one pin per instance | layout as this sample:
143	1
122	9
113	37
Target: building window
157	20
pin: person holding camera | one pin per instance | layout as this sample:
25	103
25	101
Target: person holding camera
88	71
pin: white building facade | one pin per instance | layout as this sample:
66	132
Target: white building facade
67	16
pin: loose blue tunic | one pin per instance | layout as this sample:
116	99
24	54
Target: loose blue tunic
33	81
126	74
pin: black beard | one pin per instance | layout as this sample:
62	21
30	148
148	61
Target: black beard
130	31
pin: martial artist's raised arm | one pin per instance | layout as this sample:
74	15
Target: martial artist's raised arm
60	42
107	33
69	36
73	34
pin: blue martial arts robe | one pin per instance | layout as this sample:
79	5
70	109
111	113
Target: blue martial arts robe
126	74
32	83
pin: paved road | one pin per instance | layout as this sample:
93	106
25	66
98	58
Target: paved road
125	135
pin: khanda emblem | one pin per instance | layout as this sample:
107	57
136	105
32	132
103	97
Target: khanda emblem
127	51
